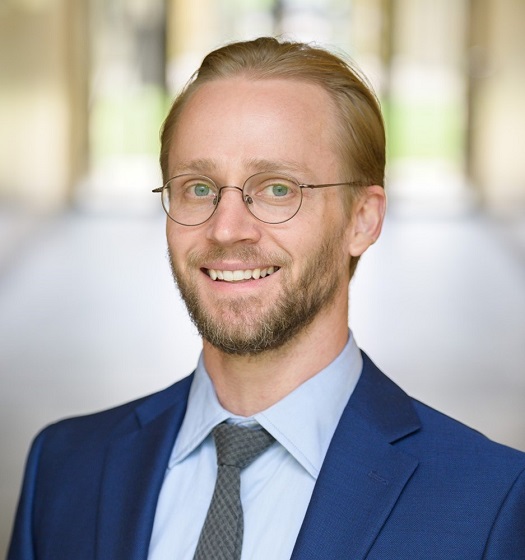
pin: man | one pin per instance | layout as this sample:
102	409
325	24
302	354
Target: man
273	161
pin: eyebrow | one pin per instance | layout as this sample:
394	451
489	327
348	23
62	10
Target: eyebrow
254	165
201	165
275	165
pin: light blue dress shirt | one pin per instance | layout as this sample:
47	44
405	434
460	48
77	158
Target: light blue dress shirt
276	488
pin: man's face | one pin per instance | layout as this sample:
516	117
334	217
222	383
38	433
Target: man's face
249	286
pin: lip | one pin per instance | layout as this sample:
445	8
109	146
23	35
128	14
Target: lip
236	264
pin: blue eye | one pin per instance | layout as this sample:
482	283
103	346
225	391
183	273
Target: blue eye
274	190
280	190
201	189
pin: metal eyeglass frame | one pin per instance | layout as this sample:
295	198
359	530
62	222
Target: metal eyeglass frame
247	198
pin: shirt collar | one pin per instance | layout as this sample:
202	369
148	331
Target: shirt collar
203	413
303	422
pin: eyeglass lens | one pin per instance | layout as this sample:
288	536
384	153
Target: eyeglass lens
192	199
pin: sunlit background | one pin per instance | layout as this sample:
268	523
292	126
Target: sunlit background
88	314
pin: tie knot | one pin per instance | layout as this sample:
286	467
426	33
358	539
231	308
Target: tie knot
238	447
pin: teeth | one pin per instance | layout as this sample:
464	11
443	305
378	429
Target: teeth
238	275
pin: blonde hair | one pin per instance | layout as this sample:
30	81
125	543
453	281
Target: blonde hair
360	138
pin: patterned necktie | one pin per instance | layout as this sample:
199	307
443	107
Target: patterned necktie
222	533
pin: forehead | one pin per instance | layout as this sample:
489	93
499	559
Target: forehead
238	120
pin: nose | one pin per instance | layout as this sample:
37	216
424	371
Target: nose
232	222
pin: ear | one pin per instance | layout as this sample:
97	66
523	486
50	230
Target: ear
368	214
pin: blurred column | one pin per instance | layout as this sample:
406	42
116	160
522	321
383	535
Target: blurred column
369	26
427	106
192	30
43	100
497	112
127	105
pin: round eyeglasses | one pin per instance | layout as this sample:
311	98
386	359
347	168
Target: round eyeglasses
191	200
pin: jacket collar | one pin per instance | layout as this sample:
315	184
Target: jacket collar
133	473
363	473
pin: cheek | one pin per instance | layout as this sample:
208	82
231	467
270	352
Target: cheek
177	235
323	204
177	243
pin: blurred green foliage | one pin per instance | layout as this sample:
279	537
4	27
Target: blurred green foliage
128	124
422	130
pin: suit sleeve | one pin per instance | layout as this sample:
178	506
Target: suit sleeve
507	538
22	546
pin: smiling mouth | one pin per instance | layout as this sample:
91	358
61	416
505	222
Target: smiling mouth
240	275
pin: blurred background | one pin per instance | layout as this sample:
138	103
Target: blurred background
89	317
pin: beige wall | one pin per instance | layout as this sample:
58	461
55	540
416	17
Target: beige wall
42	99
498	103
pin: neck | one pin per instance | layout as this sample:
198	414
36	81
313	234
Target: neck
249	384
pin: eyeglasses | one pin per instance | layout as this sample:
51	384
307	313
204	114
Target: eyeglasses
191	200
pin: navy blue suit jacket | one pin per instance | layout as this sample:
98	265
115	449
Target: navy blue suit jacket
400	481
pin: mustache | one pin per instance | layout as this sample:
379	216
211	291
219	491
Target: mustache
242	253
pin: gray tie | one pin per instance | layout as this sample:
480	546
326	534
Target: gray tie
222	533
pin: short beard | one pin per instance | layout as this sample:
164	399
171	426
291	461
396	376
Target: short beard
259	330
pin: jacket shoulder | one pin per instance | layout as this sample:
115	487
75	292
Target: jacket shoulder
442	435
467	489
424	431
101	425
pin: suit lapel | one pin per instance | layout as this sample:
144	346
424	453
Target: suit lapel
363	473
133	474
